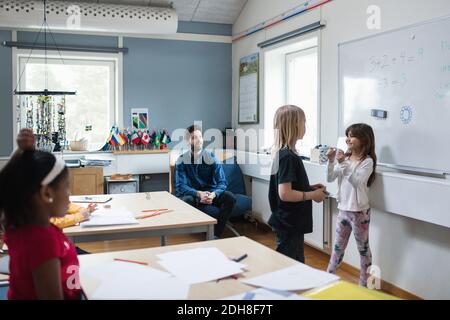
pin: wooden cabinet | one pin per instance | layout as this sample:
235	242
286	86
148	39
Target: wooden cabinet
86	181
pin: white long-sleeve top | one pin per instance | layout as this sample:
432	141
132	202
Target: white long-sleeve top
353	192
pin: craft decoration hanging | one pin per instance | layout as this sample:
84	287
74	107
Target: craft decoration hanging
45	109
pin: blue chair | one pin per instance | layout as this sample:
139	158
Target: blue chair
4	268
236	185
4	290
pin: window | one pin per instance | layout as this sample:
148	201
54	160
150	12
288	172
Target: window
291	77
92	111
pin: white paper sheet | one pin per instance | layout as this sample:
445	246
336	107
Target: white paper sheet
199	265
91	199
118	289
264	294
131	281
109	217
297	277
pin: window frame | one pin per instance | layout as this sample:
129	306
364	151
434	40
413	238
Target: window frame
303	42
293	55
113	60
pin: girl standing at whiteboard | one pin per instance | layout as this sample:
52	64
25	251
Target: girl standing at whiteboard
290	193
355	171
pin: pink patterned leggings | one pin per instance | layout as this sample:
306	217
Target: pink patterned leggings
359	223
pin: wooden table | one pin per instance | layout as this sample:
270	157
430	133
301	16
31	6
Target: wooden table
182	219
260	260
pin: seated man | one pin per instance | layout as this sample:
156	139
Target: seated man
200	180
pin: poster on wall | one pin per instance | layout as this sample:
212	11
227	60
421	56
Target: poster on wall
248	89
139	118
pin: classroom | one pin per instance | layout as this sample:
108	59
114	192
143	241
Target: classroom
224	149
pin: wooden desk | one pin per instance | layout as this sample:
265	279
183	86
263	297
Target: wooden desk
86	181
182	219
260	260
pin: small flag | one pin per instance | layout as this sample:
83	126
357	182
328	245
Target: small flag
116	137
165	137
157	140
145	138
111	141
123	135
135	139
129	137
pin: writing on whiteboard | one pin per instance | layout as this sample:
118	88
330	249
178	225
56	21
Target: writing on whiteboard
445	46
403	58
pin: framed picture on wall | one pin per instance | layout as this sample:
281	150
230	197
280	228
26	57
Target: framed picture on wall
248	110
139	118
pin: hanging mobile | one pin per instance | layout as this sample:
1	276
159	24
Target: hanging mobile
45	116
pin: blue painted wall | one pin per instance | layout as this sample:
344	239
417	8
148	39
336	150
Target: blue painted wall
178	81
205	28
69	39
6	87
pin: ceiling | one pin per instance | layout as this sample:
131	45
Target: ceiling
213	11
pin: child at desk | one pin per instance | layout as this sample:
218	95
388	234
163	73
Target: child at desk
355	172
75	214
290	193
34	187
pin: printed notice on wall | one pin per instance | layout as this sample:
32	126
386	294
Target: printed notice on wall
248	89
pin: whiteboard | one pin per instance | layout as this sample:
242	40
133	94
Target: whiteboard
405	72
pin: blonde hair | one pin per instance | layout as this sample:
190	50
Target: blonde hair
287	124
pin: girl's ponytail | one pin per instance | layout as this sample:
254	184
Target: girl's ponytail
20	179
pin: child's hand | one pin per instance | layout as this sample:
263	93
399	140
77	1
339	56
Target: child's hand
318	195
87	211
318	186
86	214
26	139
331	154
92	207
340	156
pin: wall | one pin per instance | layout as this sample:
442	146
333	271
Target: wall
412	255
179	81
264	9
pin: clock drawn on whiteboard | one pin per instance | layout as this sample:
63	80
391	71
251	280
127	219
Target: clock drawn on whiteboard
406	115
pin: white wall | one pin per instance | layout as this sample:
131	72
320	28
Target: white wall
412	255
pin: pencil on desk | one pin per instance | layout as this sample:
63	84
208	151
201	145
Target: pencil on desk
131	261
154	210
152	214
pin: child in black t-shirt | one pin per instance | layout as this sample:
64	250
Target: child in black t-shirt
290	193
